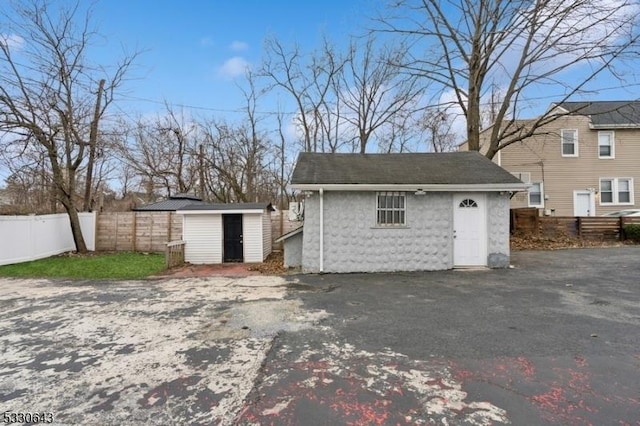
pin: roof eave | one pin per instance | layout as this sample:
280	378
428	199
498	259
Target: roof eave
221	211
487	187
289	234
613	126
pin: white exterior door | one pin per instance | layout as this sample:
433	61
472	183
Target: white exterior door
469	230
583	203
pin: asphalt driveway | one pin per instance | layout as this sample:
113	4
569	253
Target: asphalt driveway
554	340
175	351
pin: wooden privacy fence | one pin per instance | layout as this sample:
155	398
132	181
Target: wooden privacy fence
151	231
528	222
137	231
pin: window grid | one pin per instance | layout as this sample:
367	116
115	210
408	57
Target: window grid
468	203
606	145
616	191
569	143
535	195
391	208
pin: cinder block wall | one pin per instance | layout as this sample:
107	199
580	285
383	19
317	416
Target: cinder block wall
353	242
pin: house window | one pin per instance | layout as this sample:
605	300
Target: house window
391	208
605	145
616	191
536	195
569	142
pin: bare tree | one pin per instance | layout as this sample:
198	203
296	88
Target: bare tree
438	123
344	99
464	46
310	80
235	155
233	162
163	151
373	89
51	98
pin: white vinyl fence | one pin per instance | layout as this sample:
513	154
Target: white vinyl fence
24	238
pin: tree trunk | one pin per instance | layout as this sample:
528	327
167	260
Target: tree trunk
76	231
473	125
473	103
492	151
65	194
93	142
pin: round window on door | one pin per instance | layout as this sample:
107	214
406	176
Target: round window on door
467	203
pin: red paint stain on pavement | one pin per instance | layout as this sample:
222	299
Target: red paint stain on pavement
580	361
526	367
557	407
349	394
375	413
461	374
563	390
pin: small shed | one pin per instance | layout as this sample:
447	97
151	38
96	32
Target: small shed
220	233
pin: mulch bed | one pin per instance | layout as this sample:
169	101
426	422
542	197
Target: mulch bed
529	242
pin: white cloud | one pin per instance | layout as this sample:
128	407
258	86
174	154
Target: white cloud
13	41
234	67
238	46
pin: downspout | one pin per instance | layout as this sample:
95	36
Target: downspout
321	230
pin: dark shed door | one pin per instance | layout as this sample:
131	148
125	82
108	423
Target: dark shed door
232	224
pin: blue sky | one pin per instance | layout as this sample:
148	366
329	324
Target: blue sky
194	51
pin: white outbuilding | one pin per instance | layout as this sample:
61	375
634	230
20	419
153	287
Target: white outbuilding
220	233
401	212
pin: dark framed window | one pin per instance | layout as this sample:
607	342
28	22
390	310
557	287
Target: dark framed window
390	208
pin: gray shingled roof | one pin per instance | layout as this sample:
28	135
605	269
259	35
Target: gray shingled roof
175	202
453	168
607	113
186	196
228	206
167	205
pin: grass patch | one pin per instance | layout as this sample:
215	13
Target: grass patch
120	266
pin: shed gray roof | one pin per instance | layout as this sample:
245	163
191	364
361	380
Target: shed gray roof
185	196
451	168
175	202
607	113
168	205
228	206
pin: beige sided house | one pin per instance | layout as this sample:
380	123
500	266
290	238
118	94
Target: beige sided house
586	163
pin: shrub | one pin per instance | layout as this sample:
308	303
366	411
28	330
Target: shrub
632	231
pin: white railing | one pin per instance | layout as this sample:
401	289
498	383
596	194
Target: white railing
25	238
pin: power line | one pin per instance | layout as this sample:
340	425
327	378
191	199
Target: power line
438	105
